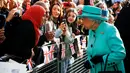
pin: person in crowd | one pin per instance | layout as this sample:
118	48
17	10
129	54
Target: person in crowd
59	24
13	4
48	34
53	22
104	40
71	18
110	11
25	35
56	15
117	11
101	5
67	5
45	37
26	5
123	25
46	1
111	19
46	6
85	2
3	14
54	2
68	38
5	6
116	7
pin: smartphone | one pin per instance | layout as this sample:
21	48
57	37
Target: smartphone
64	21
17	14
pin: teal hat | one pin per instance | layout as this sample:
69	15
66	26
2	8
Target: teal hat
93	13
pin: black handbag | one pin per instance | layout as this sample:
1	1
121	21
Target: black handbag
115	68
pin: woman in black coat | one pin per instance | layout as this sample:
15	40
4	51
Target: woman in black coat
123	24
24	35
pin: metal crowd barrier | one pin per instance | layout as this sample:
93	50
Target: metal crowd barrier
54	66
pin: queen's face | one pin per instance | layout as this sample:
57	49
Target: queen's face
87	23
56	11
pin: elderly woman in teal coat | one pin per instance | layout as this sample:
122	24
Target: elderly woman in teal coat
103	39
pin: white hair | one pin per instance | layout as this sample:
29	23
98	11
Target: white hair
95	20
103	3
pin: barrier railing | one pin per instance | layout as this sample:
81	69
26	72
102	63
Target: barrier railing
52	64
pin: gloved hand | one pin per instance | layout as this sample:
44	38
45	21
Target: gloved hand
96	59
87	65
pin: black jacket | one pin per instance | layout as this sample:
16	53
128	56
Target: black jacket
123	25
123	21
20	40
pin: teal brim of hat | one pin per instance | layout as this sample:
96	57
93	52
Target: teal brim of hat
91	16
93	13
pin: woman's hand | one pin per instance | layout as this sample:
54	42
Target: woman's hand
64	31
73	35
49	35
12	13
63	28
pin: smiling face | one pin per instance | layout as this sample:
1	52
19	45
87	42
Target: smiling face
71	17
56	11
44	18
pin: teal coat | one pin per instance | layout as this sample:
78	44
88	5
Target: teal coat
106	41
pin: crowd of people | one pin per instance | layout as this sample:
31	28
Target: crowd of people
25	25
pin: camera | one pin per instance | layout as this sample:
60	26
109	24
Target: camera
64	21
17	14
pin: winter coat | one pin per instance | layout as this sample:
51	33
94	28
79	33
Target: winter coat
103	41
21	41
25	35
123	25
68	39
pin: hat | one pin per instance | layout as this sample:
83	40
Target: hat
93	13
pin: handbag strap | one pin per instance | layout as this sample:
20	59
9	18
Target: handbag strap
115	66
106	62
